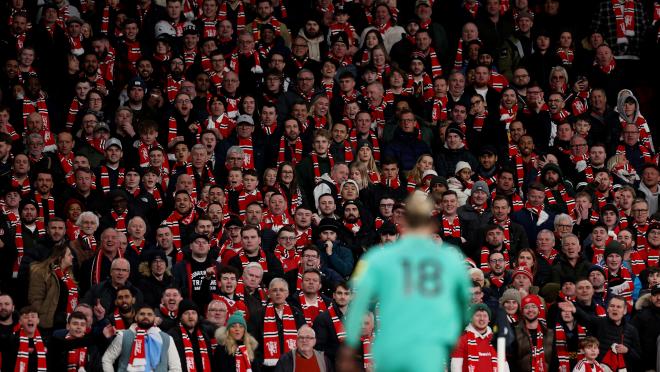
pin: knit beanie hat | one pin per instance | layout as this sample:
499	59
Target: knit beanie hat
511	294
235	318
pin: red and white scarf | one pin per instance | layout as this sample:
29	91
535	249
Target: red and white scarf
120	220
337	323
311	311
105	179
20	250
624	15
537	352
173	222
76	358
550	197
50	201
295	151
119	321
373	139
190	354
23	356
248	152
240	19
451	229
71	287
474	353
262	259
138	359
315	163
561	345
271	340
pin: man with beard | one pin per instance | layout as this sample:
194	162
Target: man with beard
559	194
27	231
7	319
55	236
169	306
131	350
290	147
124	312
498	275
493	242
313	35
264	10
329	326
90	71
195	274
360	232
327	208
174	78
181	221
193	345
532	348
596	157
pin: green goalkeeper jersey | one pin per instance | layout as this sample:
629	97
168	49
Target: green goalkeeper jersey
423	291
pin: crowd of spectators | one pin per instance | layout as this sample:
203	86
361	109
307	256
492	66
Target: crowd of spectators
189	184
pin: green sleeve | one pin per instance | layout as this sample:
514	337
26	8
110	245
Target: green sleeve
363	283
463	289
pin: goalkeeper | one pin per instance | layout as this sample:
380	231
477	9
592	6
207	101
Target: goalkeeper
423	292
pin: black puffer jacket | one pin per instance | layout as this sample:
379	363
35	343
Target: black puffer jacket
647	323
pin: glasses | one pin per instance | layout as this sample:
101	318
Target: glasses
407	120
640	210
217	310
499	260
303	338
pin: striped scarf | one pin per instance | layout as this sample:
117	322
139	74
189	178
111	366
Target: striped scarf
20	250
233	61
172	87
245	198
189	353
474	353
39	106
561	346
23	356
366	352
624	15
311	311
537	352
174	220
439	109
73	112
120	220
137	361
458	60
566	55
643	258
248	152
105	179
550	197
71	287
240	19
451	230
485	252
295	151
76	358
271	339
50	202
119	321
262	259
353	138
289	258
315	163
337	324
646	154
242	359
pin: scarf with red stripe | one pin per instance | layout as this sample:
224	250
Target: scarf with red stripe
393	183
337	324
23	356
311	311
271	339
189	353
240	19
120	220
451	229
439	109
105	179
506	224
608	68
248	152
508	115
561	345
458	60
644	130
420	87
474	353
276	222
315	163
479	120
262	259
378	116
172	87
20	250
137	361
50	202
73	112
643	258
303	238
566	55
105	20
256	27
76	359
623	278
71	287
242	359
550	197
247	197
537	352
39	106
166	312
174	220
536	211
646	154
366	352
89	240
624	15
119	321
472	8
353	138
288	257
135	246
560	116
233	61
223	124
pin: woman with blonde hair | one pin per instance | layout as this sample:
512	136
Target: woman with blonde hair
360	174
365	156
235	345
318	115
424	163
48	280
